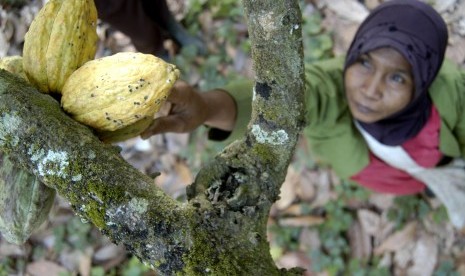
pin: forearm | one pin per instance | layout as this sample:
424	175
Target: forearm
222	109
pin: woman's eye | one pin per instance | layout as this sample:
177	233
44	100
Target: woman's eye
397	78
364	62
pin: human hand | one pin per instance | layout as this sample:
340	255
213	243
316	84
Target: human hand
183	111
186	109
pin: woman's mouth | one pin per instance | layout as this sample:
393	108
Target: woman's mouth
363	108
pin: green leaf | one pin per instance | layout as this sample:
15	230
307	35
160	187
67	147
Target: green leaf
134	267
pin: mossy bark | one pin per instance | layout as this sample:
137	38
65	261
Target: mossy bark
221	230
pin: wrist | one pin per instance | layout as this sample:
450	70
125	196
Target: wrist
221	109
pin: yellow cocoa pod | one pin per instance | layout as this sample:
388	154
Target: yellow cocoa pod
14	65
113	92
125	133
60	39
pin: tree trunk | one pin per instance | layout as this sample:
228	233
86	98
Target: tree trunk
221	230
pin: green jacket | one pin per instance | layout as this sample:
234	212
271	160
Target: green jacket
333	136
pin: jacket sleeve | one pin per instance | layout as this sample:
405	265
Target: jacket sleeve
241	91
448	95
459	130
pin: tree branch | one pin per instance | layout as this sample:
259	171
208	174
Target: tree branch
101	187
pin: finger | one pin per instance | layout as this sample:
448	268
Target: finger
164	109
163	125
179	92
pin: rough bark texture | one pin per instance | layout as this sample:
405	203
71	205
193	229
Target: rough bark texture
222	229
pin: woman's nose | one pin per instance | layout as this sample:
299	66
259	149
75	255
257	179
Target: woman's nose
373	88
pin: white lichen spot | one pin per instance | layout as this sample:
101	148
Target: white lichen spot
53	164
268	22
279	137
295	27
111	213
118	211
129	213
92	155
254	94
76	178
11	124
35	154
253	238
138	205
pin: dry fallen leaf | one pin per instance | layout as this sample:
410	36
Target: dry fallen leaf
461	269
344	31
386	260
108	252
293	210
309	240
381	201
11	250
444	5
404	256
348	9
288	189
425	254
370	221
306	190
85	263
295	259
456	49
323	184
77	260
4	45
45	268
385	230
371	4
301	221
360	242
397	240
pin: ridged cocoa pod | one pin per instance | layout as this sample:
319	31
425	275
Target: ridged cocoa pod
60	39
25	202
114	92
125	133
14	65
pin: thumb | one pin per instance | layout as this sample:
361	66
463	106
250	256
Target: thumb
170	123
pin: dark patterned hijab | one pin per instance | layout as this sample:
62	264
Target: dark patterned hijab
419	33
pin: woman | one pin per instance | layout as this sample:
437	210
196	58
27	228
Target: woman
389	90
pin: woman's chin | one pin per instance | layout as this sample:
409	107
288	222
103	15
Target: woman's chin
365	118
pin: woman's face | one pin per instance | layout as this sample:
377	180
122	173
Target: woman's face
378	85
